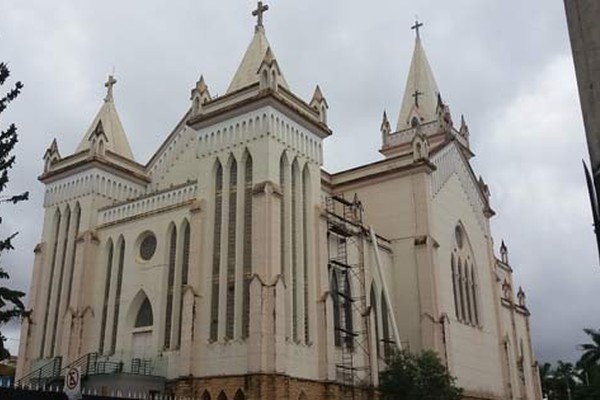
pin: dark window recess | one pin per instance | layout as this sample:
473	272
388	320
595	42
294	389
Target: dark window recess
148	247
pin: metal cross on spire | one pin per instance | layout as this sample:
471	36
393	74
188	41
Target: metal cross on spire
416	95
416	27
109	88
260	10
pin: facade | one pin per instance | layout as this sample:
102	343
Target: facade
232	266
582	19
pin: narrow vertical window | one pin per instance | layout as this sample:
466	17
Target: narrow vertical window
73	254
474	292
216	268
454	279
387	349
467	283
185	267
461	287
306	258
170	287
373	299
113	343
50	281
109	263
231	249
348	323
248	182
61	273
335	293
294	252
282	221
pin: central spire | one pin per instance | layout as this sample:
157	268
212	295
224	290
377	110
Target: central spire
420	100
259	48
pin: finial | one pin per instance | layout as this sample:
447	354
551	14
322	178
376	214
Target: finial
385	124
258	13
417	26
201	86
109	88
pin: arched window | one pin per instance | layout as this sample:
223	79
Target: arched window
295	222
109	263
247	268
185	267
467	283
464	279
76	229
335	293
306	255
302	396
205	395
385	325
57	219
222	396
454	286
373	301
347	305
231	250
61	272
283	167
113	343
170	286
474	290
239	395
461	286
144	316
216	267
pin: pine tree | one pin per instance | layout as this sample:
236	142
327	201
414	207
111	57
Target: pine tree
11	304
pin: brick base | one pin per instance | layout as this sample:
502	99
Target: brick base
264	387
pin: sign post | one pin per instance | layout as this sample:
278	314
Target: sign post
73	383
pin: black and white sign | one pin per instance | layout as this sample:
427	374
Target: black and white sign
73	383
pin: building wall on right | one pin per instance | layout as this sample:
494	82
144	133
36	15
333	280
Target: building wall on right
584	31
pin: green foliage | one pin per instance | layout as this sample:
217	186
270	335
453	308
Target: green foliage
575	382
11	305
422	377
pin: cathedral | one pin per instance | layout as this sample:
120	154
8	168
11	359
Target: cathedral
231	265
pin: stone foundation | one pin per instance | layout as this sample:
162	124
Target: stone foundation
264	387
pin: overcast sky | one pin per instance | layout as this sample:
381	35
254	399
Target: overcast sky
506	65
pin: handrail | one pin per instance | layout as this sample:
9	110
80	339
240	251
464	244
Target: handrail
44	373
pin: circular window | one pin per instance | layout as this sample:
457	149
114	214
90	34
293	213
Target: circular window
458	233
148	246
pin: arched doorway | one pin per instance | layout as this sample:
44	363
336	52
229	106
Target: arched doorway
143	327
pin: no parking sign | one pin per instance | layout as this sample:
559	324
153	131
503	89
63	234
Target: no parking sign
73	383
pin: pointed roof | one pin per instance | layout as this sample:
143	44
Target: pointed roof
258	51
108	120
421	92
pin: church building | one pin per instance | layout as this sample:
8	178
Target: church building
232	266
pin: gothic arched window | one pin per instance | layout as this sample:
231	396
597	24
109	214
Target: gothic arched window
170	287
216	267
247	267
231	250
109	262
144	316
113	342
335	293
373	300
464	279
